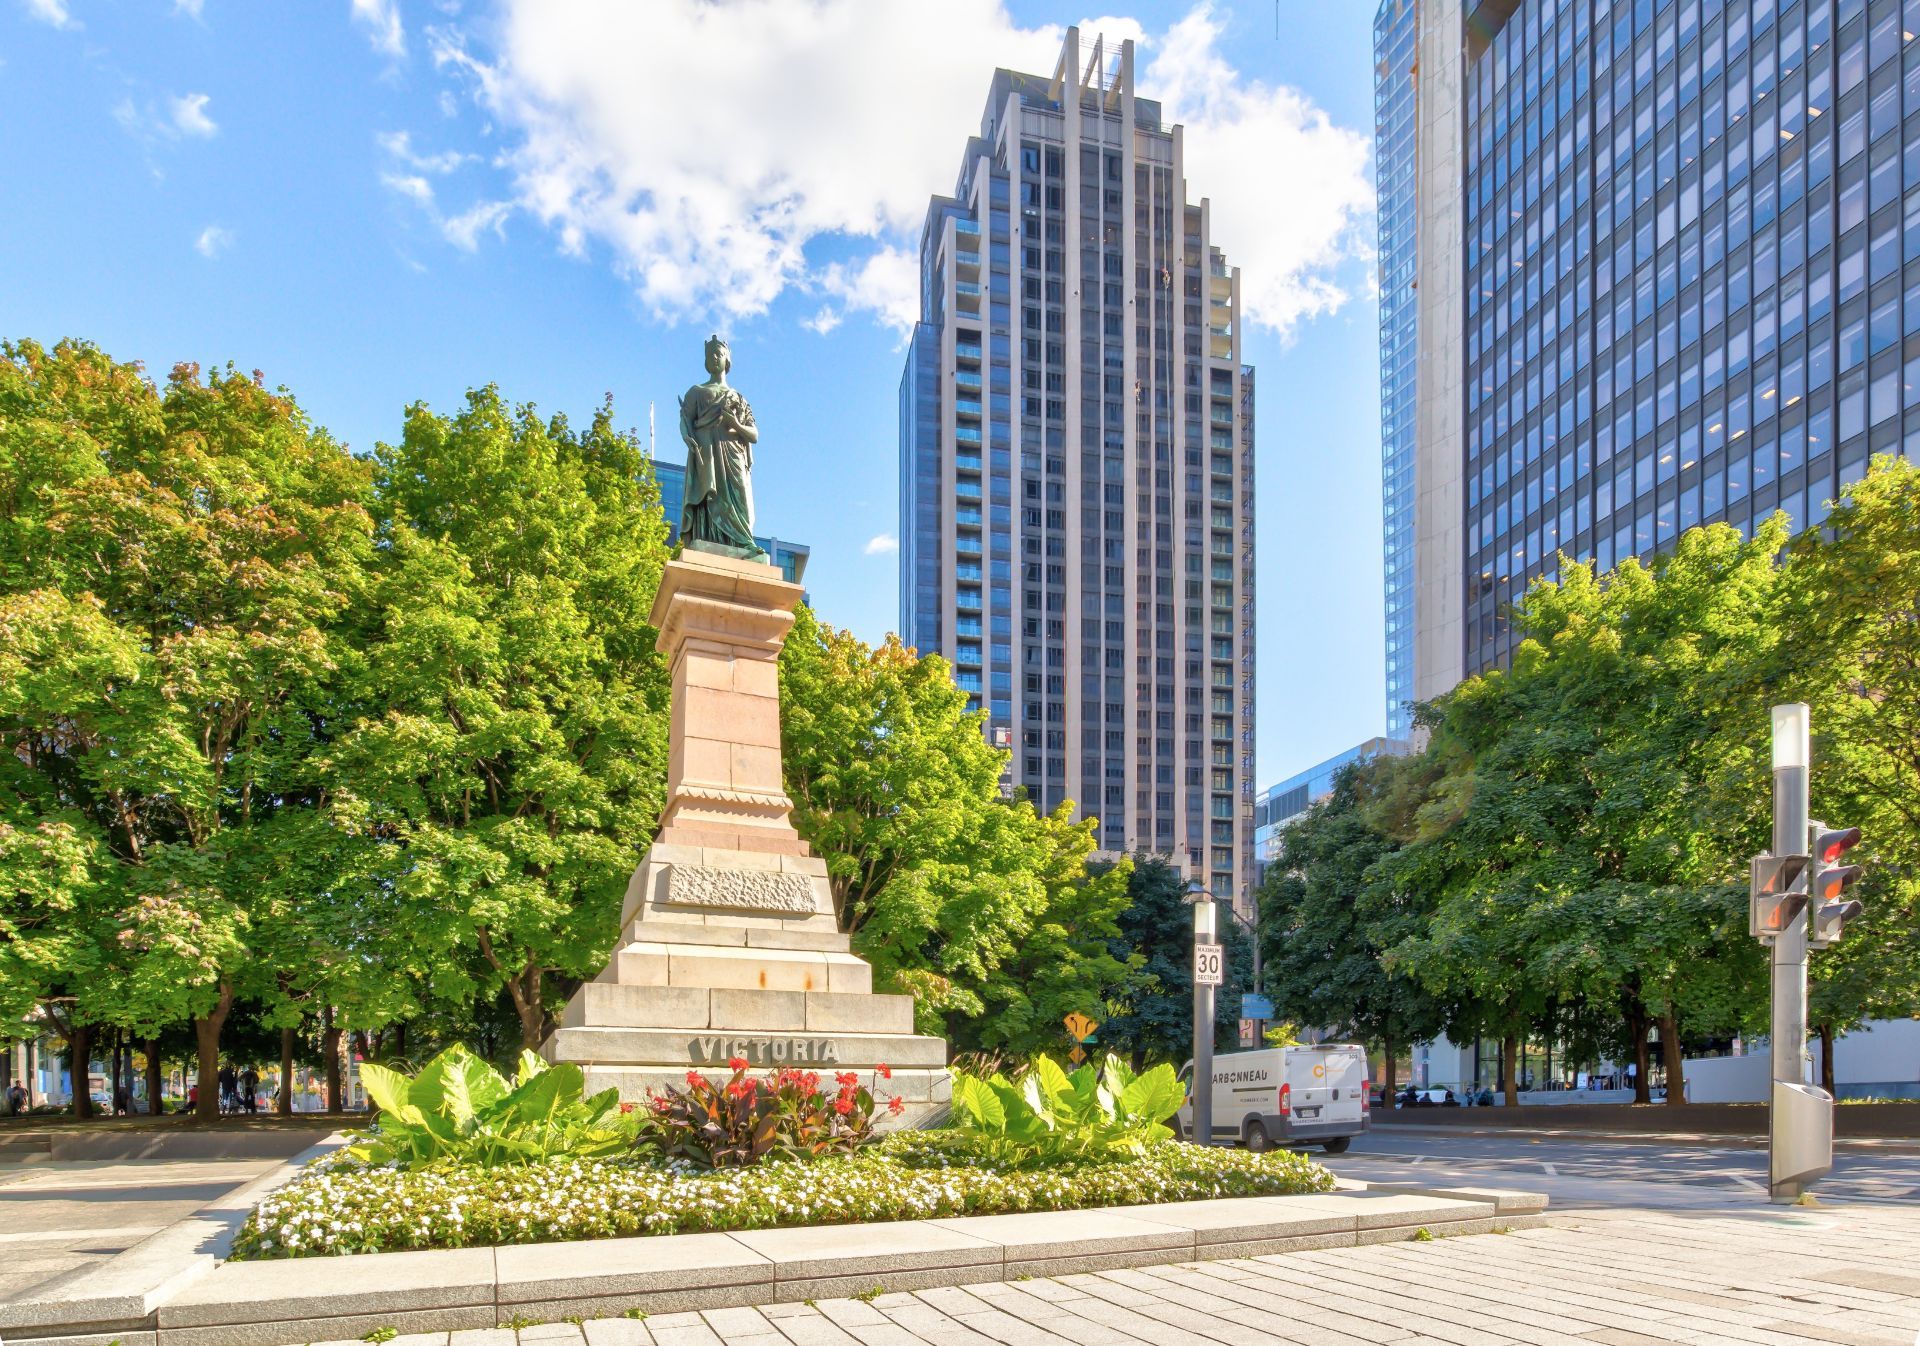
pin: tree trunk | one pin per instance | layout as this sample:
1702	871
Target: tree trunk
330	1055
284	1103
1642	1060
1389	1085
206	1037
79	1050
525	990
1509	1062
400	1040
156	1084
1826	1057
1670	1057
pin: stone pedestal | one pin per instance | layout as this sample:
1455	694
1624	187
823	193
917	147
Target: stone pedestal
729	944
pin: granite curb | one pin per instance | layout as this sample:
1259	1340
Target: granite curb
174	1291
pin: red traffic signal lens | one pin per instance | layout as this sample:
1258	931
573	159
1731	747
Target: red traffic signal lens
1836	881
1833	845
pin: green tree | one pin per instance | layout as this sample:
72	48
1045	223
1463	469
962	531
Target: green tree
1852	605
509	758
1618	756
178	570
1153	1019
1328	918
979	906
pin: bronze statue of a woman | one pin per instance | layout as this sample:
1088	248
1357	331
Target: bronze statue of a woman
717	425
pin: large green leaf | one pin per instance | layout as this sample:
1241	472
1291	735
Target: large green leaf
389	1089
540	1097
1152	1097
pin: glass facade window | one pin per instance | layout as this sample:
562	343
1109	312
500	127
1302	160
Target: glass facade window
1691	268
1396	30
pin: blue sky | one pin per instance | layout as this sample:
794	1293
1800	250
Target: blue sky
381	201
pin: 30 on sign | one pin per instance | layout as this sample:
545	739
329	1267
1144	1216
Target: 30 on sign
1209	967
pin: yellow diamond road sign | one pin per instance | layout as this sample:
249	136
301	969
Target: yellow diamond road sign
1080	1027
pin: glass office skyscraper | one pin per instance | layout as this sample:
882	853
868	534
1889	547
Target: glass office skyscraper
1396	29
1691	272
1076	466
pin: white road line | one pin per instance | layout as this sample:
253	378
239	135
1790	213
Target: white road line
1746	1182
1552	1172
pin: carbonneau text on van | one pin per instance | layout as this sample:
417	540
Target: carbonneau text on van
1258	1075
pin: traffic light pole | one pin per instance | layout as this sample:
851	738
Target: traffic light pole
1790	808
1799	1119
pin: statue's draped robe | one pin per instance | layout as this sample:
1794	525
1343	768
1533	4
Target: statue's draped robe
719	499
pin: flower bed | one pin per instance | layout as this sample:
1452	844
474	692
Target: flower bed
345	1207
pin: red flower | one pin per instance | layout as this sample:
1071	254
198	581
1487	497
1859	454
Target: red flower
896	1105
810	1084
884	1071
695	1079
846	1079
658	1103
626	1108
736	1063
843	1105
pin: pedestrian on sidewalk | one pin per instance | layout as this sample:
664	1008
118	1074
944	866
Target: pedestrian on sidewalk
250	1090
229	1088
16	1099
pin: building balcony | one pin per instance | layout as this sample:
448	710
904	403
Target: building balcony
964	351
967	227
966	263
967	378
967	462
967	406
966	295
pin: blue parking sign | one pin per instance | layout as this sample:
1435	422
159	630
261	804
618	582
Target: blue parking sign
1255	1007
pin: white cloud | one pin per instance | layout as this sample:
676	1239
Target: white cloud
190	8
881	544
381	19
213	241
464	230
51	12
707	180
824	321
410	180
399	144
189	115
412	186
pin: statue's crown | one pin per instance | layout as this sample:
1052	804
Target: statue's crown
716	343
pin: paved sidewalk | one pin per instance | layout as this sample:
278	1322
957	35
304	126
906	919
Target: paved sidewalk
58	1216
1786	1277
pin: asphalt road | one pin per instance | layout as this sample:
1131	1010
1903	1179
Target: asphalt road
1651	1172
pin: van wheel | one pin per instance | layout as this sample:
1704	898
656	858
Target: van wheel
1257	1142
1338	1145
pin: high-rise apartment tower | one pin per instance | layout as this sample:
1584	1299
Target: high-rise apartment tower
1076	466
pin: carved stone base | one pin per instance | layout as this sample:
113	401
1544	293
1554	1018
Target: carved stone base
730	947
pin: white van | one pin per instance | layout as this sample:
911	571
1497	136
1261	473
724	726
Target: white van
1286	1096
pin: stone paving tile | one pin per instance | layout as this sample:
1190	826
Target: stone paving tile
616	1332
1842	1276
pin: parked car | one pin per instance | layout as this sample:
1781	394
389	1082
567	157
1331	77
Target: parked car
1287	1096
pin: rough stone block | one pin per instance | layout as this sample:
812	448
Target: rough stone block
869	1249
1073	1233
283	1291
631	1266
848	974
600	1005
1235	1219
758	1011
827	1012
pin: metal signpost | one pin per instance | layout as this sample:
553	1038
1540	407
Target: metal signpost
1208	970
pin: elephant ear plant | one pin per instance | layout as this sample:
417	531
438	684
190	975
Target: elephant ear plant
1096	1113
460	1110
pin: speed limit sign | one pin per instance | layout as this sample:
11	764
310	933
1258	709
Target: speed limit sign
1208	965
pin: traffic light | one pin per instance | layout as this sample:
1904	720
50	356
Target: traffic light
1831	907
1776	895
